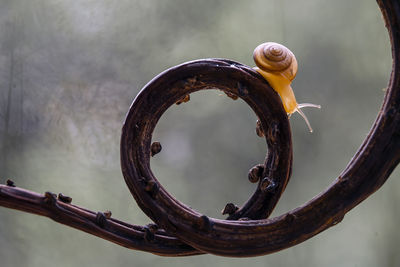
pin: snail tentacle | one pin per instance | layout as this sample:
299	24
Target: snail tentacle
308	105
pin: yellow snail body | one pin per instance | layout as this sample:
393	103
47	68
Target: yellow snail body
278	65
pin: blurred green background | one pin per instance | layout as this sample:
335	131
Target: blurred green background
70	69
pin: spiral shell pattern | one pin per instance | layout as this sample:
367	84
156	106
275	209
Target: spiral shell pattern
274	57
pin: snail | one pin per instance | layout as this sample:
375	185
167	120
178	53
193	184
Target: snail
278	65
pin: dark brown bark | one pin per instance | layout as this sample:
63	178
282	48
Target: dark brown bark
121	233
256	235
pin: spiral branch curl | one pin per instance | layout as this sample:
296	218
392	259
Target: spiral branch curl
181	231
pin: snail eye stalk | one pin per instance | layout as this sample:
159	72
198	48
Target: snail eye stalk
298	110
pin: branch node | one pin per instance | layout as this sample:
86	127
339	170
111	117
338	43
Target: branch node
149	231
64	198
50	198
184	99
230	209
108	214
10	183
155	148
203	223
101	219
259	129
267	185
231	95
152	188
256	173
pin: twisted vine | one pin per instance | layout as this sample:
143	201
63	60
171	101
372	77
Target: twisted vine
181	231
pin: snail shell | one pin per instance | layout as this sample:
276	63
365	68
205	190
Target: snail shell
274	57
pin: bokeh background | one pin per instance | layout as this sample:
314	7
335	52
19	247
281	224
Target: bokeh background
70	69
